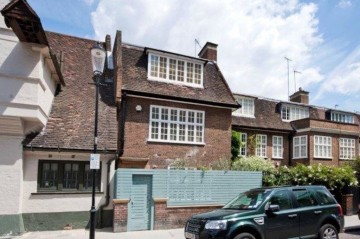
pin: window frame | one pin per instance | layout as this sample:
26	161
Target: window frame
292	112
323	147
261	147
342	117
276	146
300	145
243	144
189	126
247	104
59	188
349	147
179	79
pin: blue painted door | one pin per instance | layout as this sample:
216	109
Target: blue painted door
140	203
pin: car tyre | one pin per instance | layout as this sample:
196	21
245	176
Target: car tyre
245	235
328	231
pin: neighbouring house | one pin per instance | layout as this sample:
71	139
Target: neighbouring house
47	102
172	107
291	132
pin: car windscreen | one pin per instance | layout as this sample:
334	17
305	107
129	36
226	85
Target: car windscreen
248	200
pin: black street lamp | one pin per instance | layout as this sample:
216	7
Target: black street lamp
98	55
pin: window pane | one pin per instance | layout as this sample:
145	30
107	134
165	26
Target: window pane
181	69
197	79
162	72
172	69
190	73
154	66
191	133
71	176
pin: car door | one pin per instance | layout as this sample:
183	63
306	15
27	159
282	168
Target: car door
308	211
284	223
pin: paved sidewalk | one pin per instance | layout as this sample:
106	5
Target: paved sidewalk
351	223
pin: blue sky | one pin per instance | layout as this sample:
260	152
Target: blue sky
321	37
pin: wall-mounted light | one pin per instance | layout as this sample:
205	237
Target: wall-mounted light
138	108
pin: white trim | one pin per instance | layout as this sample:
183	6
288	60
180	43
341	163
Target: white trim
178	101
25	78
322	147
278	145
163	130
175	56
341	117
300	145
176	81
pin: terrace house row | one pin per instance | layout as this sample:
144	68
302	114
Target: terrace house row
155	107
291	132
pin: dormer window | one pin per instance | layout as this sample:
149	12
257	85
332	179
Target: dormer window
342	117
247	107
294	112
176	70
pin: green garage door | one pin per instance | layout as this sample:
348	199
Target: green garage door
140	203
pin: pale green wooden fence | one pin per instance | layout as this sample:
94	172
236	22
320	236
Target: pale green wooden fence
189	187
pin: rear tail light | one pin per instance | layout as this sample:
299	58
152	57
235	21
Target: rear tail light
340	210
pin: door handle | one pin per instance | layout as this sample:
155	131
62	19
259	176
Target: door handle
317	212
291	216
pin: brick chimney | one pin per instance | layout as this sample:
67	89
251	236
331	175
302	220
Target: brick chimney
300	96
209	51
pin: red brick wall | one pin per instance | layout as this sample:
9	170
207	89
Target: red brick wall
269	135
217	135
120	215
175	217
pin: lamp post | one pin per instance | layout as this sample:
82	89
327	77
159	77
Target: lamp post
98	59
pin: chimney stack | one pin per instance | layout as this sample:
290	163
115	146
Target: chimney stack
209	51
300	96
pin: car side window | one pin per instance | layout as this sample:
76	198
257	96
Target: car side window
324	196
281	198
304	198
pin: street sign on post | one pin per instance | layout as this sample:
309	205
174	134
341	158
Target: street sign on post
94	161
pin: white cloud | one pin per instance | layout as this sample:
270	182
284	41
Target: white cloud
345	3
345	78
253	36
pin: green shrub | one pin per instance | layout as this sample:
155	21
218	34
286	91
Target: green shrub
329	176
252	163
235	144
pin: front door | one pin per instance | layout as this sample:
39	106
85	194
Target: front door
140	203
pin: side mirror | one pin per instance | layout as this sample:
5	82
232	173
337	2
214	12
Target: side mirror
273	208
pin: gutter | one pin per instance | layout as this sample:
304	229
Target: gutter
116	158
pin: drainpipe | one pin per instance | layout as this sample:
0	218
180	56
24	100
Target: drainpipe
116	158
107	197
122	128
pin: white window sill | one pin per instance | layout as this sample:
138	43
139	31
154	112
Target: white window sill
245	116
277	157
319	157
175	142
301	157
174	82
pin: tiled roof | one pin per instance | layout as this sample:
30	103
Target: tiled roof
266	117
215	91
71	122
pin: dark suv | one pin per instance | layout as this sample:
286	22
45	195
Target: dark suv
272	213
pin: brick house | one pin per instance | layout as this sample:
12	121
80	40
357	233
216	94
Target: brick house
172	107
291	132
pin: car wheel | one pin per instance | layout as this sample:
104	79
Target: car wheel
328	231
245	235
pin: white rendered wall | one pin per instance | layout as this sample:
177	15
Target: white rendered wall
39	203
11	175
3	3
27	90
